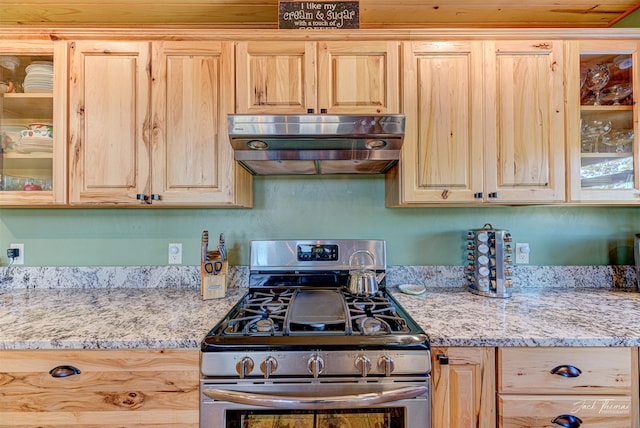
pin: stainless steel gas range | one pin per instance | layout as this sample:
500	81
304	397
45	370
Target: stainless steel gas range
301	351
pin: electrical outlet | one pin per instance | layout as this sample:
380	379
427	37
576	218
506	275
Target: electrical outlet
522	253
20	259
175	254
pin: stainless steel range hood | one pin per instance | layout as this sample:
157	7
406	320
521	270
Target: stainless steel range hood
316	144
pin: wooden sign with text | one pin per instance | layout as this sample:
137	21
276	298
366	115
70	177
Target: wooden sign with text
319	15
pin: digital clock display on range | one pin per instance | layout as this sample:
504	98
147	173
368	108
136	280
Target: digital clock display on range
326	252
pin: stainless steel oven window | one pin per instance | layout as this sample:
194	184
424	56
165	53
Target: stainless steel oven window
357	418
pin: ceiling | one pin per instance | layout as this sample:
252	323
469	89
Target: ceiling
374	14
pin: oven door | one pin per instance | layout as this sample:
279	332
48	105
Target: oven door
326	403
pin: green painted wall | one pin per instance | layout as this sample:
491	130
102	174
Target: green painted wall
310	207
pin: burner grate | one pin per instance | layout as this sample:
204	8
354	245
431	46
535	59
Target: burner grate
374	315
262	314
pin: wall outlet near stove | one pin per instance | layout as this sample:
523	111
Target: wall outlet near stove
175	254
19	260
522	253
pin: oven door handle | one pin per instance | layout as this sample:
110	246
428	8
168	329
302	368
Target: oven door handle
316	403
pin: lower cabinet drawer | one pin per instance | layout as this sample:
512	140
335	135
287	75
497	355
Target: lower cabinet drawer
599	371
569	411
99	388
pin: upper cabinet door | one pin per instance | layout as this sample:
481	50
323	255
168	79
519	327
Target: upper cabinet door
602	121
109	108
275	78
525	142
32	123
442	151
192	94
359	77
325	77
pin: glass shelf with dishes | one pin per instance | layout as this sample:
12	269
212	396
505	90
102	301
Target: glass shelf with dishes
26	123
607	141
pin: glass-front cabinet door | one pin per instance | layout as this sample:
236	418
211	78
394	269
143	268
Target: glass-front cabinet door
28	174
603	121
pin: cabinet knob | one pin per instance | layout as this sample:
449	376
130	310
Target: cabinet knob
567	421
155	197
478	195
443	359
566	371
493	195
64	371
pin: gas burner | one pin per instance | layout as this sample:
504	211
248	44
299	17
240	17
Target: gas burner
273	306
370	305
263	326
363	304
271	301
372	325
259	326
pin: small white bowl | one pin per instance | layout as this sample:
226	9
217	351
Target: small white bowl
35	133
413	289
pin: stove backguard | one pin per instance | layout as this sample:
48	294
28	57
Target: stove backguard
319	256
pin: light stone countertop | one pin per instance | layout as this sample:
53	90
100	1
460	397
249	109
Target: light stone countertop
109	318
530	317
176	318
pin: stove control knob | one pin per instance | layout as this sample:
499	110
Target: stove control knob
363	364
315	364
244	366
386	365
268	366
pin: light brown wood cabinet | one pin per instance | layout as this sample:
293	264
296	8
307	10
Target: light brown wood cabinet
112	388
147	124
602	137
524	121
39	162
295	77
539	387
486	124
463	393
442	154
